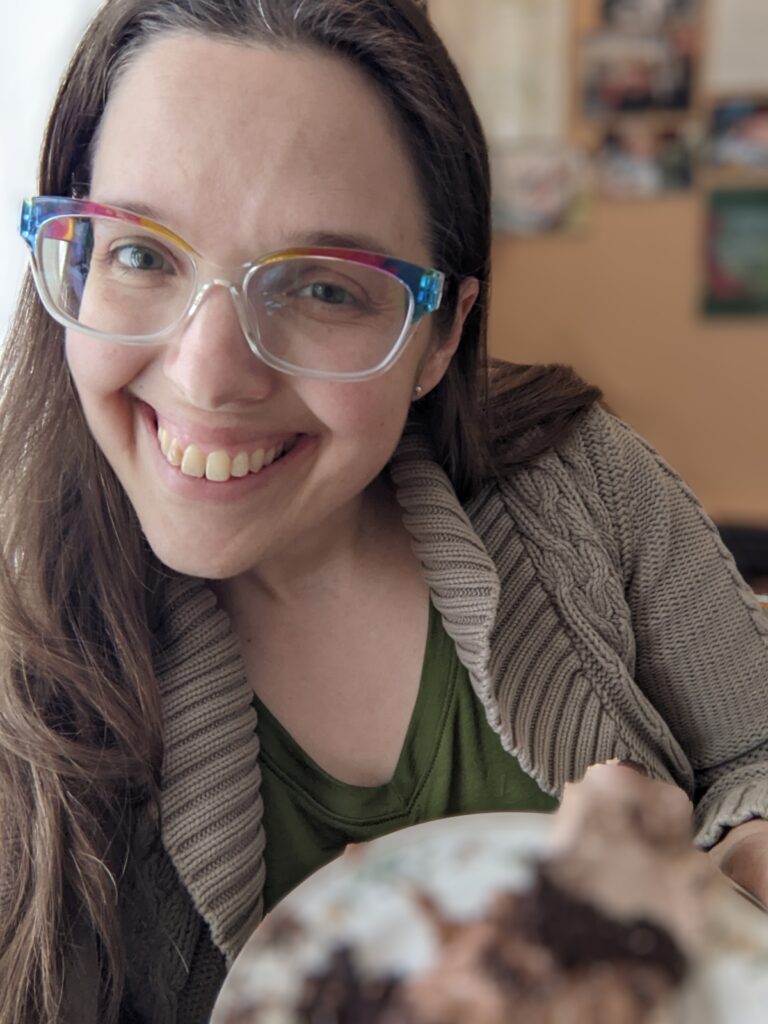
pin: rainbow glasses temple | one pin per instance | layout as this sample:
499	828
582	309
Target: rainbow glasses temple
425	285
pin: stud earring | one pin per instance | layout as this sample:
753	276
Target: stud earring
418	391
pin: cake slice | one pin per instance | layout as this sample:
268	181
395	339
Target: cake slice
606	931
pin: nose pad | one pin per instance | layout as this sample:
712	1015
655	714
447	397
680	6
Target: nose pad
234	292
210	365
250	332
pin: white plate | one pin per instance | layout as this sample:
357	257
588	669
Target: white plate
365	899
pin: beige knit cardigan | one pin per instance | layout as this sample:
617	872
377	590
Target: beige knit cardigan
598	615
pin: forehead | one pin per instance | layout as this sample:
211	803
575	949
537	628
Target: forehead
243	146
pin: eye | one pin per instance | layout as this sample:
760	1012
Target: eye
332	294
140	257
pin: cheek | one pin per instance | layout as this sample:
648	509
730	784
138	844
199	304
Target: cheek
371	410
377	408
101	370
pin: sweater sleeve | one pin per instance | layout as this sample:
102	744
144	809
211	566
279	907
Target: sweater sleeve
701	637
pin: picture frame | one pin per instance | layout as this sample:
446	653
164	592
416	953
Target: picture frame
738	133
642	158
623	73
539	187
646	15
736	252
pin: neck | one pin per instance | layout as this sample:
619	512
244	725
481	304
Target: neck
355	539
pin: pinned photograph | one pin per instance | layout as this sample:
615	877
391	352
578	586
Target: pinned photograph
736	36
638	159
646	15
738	134
622	72
736	255
539	187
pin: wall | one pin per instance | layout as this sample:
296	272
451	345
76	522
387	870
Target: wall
620	303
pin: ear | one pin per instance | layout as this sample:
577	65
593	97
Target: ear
441	350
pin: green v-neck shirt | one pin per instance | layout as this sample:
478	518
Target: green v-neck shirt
452	762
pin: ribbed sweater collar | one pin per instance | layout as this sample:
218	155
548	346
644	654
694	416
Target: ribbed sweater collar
210	799
211	803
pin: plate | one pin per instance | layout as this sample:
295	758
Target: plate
368	898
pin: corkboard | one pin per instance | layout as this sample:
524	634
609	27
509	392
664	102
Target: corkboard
621	304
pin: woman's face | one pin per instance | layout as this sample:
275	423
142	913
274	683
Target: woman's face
244	151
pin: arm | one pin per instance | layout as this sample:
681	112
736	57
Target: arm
701	637
742	855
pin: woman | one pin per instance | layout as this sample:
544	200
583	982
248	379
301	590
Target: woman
255	467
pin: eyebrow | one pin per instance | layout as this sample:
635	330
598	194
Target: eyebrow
330	240
310	239
142	209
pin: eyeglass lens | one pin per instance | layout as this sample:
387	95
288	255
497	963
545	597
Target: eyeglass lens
311	312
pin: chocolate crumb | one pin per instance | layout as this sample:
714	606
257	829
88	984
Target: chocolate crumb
578	934
341	995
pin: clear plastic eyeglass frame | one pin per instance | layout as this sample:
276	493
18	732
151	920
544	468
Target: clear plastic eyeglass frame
424	287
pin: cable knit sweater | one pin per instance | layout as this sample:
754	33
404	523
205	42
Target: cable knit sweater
598	615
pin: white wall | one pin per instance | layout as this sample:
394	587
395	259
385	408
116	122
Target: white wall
36	41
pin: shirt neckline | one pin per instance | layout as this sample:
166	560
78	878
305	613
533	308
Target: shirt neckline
345	803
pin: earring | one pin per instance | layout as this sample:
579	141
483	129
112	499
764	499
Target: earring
418	391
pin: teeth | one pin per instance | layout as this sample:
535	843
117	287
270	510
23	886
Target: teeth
193	463
175	454
218	466
241	465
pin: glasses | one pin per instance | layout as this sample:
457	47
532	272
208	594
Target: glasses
335	314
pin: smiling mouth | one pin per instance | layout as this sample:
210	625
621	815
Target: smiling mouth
219	466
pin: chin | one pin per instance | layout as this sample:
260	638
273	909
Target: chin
197	561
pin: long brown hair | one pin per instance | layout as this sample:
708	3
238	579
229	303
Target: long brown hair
80	716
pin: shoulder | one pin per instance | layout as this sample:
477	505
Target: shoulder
571	493
603	485
531	409
604	488
602	455
632	479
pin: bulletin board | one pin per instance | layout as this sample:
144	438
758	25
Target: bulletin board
621	292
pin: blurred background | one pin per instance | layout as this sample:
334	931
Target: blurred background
629	143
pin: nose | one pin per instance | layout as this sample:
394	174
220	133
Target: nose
210	361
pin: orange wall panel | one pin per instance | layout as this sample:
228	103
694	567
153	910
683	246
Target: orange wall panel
620	302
